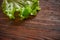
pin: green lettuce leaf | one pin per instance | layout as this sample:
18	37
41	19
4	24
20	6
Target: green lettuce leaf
24	7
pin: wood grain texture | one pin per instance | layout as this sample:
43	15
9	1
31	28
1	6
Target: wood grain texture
45	26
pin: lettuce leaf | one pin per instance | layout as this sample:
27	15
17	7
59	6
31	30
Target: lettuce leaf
24	7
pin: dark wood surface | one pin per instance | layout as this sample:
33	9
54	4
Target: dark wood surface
45	26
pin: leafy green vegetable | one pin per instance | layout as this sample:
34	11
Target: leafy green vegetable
24	7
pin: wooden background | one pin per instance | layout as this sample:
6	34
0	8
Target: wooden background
45	26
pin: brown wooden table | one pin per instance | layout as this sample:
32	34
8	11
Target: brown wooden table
45	26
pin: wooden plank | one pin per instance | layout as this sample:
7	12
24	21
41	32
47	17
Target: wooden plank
45	26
